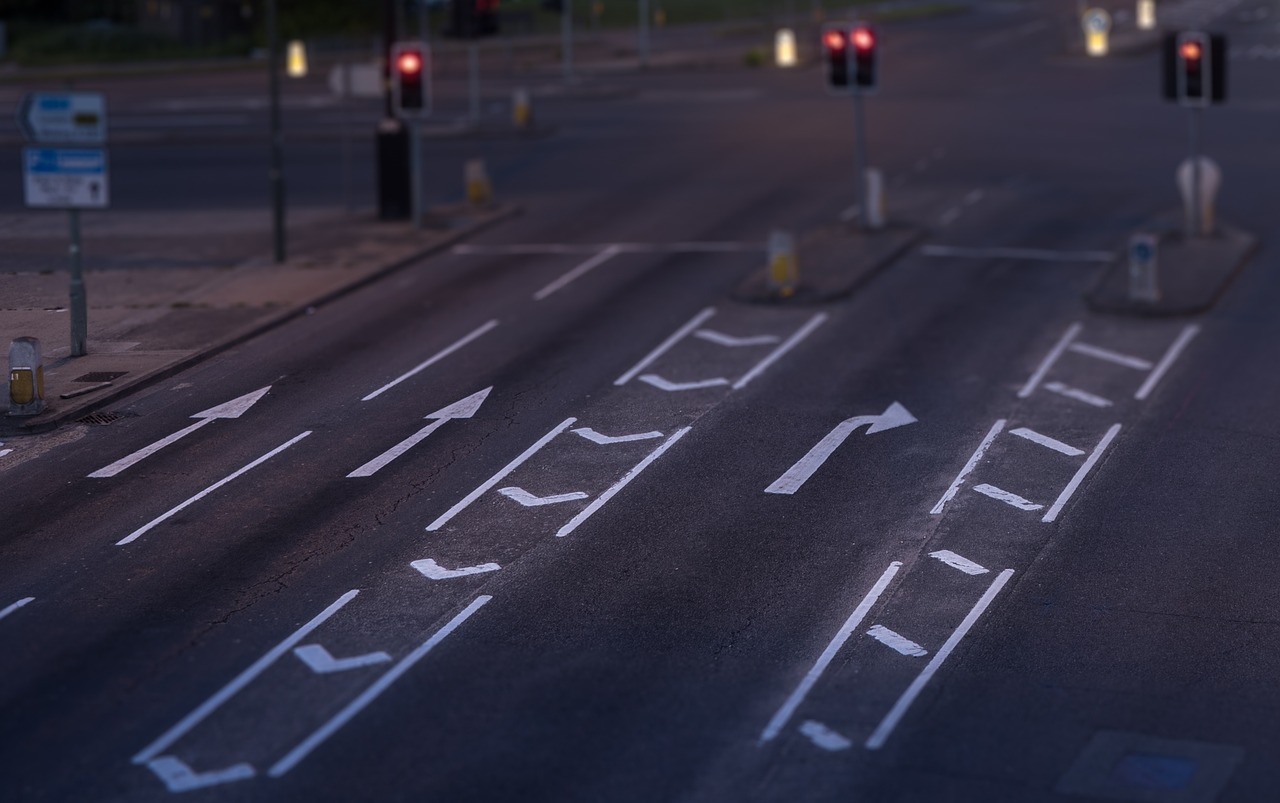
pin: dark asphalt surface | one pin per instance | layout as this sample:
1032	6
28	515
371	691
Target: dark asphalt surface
644	655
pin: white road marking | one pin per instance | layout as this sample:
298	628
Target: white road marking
178	777
370	694
796	476
959	562
482	330
1047	442
246	677
497	478
666	345
595	248
1009	498
1027	254
1111	356
465	408
608	440
322	662
949	216
434	571
603	498
1077	394
1072	331
1082	473
972	197
777	354
15	606
232	409
824	737
529	500
4	452
1166	362
581	270
896	641
673	387
851	624
131	537
968	467
527	248
729	341
891	720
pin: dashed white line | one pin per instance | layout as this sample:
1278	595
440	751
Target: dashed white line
968	467
1077	394
581	270
1110	356
1167	361
1008	497
851	624
128	539
1047	442
666	345
603	498
896	641
15	606
1072	332
1084	470
959	562
485	328
895	715
778	353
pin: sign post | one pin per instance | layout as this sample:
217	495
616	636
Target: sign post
71	178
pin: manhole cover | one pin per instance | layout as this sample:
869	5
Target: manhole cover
100	376
102	419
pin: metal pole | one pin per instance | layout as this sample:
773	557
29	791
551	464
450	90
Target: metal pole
424	22
566	38
473	79
79	313
860	154
276	173
415	165
644	33
348	122
1193	220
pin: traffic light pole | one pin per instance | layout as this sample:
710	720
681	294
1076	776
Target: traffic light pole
1193	136
276	173
566	38
79	311
415	167
860	155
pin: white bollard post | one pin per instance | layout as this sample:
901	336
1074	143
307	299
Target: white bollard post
784	48
1144	285
1210	183
874	217
1146	15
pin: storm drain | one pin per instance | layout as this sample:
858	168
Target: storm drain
102	419
100	376
1130	766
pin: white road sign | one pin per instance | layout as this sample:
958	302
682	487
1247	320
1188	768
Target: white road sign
62	178
64	118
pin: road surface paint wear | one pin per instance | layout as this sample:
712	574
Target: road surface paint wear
434	571
896	641
15	606
1082	473
1052	357
675	387
1107	355
958	562
581	270
824	737
128	539
430	361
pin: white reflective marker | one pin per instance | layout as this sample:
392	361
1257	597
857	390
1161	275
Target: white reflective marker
1083	471
140	531
581	270
791	342
891	720
846	630
600	500
485	328
1166	362
1072	332
968	467
666	345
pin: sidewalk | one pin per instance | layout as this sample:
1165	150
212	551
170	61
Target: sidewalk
166	290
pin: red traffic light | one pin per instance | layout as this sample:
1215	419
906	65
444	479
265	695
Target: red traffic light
834	40
409	63
1191	51
863	39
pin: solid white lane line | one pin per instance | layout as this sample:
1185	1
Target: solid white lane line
958	562
381	461
1077	394
484	329
1136	363
851	624
891	720
130	538
246	677
145	452
370	694
1001	495
824	737
1082	473
666	345
968	467
896	641
1027	254
600	500
674	387
581	270
501	475
1047	442
527	499
1072	331
15	606
729	341
608	440
1166	362
791	342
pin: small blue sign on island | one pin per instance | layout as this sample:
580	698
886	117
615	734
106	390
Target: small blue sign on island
65	178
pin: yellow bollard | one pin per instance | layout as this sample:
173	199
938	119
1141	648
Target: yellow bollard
296	59
784	272
1097	29
479	190
521	109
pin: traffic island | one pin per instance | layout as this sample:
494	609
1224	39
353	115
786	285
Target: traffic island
831	263
1190	274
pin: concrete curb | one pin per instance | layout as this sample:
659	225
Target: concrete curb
52	419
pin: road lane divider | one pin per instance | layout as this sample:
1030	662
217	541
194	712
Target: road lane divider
13	606
128	539
478	332
666	345
578	272
976	458
1080	474
788	345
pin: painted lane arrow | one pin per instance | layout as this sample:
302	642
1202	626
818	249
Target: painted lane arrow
181	778
434	571
463	408
807	466
530	500
322	662
232	409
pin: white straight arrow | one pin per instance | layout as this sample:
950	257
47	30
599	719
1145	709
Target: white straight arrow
232	409
464	408
808	465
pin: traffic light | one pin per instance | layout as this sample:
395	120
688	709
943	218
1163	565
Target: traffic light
409	66
471	19
835	45
1195	68
865	56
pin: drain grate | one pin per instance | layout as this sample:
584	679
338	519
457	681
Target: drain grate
100	376
102	419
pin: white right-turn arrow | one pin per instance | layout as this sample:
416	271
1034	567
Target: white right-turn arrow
807	466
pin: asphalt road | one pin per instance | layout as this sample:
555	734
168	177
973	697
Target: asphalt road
1039	568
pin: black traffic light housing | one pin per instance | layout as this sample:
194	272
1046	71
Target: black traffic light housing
865	55
852	54
472	19
835	48
1195	68
410	62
